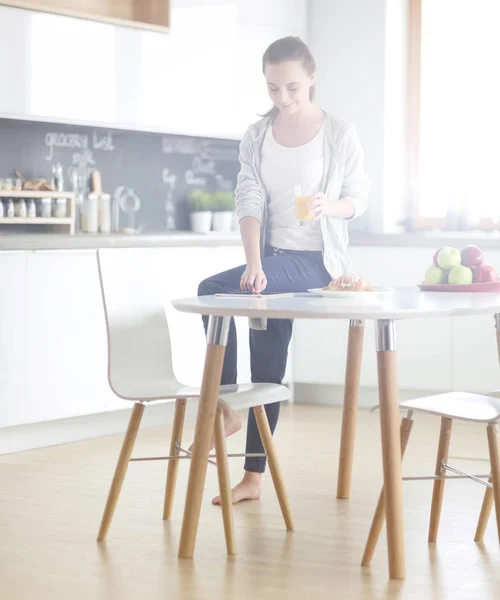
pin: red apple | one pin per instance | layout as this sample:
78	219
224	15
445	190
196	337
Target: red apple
472	256
435	258
485	274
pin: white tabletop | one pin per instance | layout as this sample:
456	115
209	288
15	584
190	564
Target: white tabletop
401	303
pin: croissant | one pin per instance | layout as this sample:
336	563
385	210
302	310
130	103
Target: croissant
348	283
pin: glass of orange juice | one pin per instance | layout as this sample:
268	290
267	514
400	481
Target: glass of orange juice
303	207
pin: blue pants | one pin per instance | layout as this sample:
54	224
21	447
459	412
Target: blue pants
286	271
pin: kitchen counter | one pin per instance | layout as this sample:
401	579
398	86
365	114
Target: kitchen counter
187	239
50	241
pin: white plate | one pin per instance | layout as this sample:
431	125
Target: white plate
376	294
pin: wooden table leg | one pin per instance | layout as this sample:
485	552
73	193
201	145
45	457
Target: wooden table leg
350	410
497	326
218	329
379	516
391	450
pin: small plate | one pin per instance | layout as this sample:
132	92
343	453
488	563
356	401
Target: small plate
376	294
489	286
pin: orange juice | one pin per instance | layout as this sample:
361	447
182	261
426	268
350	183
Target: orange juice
302	209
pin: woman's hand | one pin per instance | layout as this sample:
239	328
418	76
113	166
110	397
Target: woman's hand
253	279
322	207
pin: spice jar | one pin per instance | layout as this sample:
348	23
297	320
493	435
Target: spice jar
20	209
61	208
46	208
9	209
31	208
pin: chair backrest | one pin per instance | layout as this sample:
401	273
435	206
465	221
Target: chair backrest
139	348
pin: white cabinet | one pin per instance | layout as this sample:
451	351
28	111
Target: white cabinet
475	356
65	338
203	78
15	305
53	351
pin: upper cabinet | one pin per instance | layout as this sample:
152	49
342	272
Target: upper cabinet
203	78
144	14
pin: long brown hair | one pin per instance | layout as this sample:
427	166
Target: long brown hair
289	48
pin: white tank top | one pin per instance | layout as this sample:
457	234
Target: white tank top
282	168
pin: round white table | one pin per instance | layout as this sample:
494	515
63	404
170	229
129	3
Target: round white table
400	304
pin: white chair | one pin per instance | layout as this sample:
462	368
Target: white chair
140	369
464	407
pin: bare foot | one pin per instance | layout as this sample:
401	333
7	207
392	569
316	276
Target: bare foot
248	489
232	424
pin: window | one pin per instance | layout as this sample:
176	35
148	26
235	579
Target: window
455	111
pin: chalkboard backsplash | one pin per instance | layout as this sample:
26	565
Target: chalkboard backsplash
159	168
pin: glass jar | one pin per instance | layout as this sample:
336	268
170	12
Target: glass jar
46	208
31	208
20	210
61	208
9	209
7	184
18	184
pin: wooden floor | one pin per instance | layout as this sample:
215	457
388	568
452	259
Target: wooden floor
51	502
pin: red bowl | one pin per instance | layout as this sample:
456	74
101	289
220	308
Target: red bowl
489	286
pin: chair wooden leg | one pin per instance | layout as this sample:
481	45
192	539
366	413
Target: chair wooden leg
267	441
350	409
226	498
438	490
495	468
173	465
121	470
484	516
379	516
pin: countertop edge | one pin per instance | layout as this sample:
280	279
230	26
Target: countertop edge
34	242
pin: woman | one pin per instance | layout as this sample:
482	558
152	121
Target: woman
295	144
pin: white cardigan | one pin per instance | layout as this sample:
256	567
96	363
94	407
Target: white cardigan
344	177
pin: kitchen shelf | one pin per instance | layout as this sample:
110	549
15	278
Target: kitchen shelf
36	221
68	222
34	194
141	14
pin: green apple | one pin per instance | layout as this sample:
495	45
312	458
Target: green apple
448	258
460	275
434	276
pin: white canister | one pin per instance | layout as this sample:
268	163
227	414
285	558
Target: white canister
90	214
104	213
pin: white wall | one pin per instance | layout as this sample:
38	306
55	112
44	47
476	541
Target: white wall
360	50
201	79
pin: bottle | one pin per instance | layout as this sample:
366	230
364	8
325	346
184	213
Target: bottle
90	214
58	177
104	213
1	209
